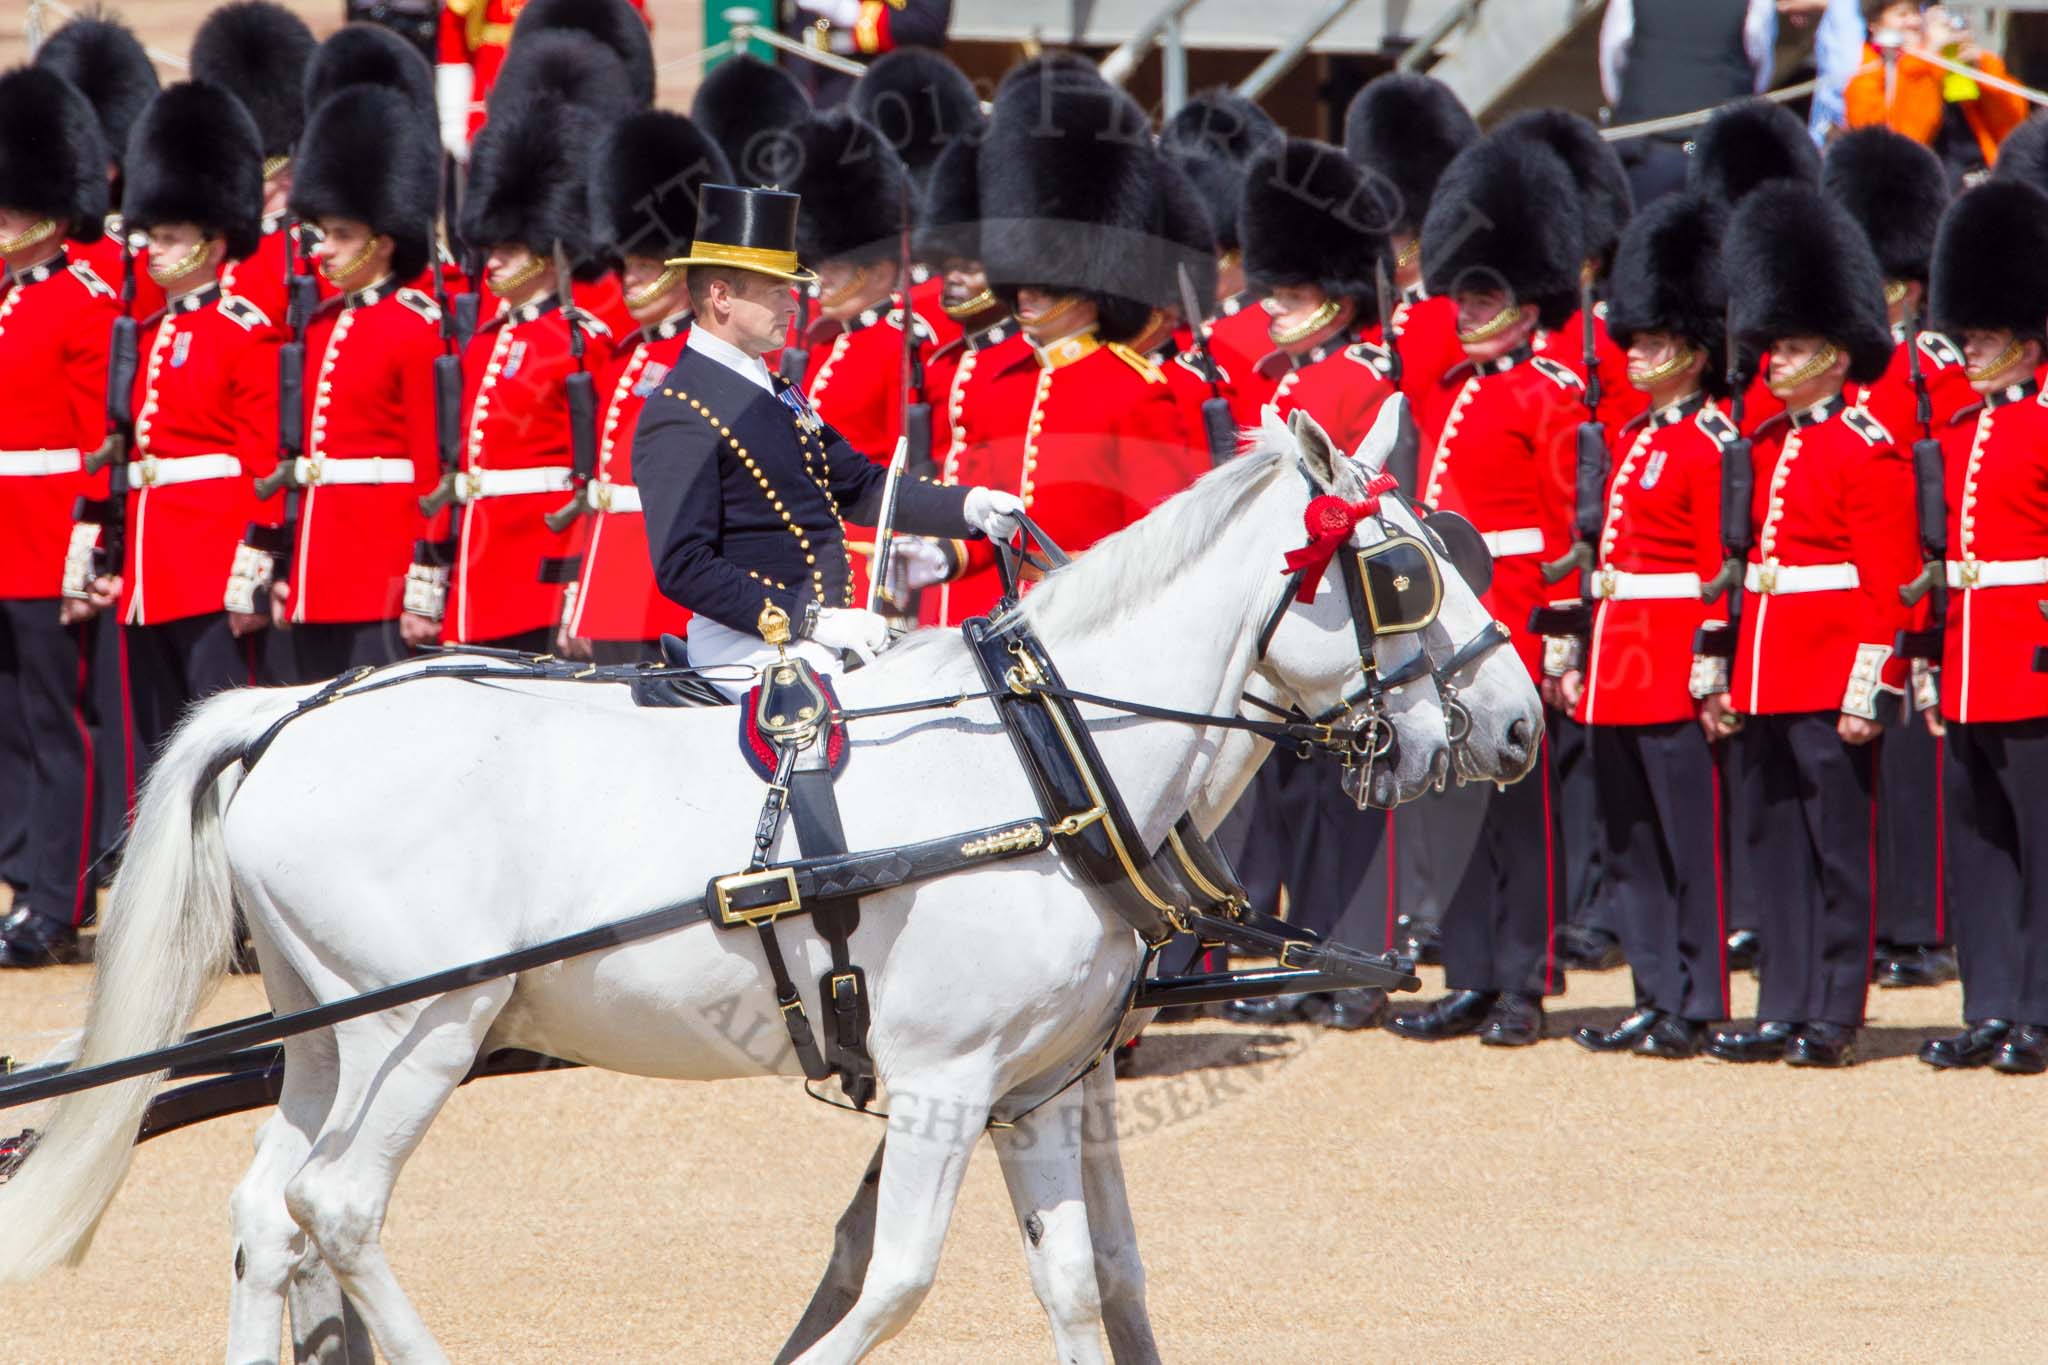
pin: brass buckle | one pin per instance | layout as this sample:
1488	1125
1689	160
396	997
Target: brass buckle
1973	570
1605	583
469	486
1287	959
740	881
1767	576
147	468
601	495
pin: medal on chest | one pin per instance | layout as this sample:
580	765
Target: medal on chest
1654	470
181	350
650	379
806	418
514	358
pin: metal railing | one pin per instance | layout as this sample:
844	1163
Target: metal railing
1164	31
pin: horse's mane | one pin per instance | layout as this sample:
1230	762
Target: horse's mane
1099	586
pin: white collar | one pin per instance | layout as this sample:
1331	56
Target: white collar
748	367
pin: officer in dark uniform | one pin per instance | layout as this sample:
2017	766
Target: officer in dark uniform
744	489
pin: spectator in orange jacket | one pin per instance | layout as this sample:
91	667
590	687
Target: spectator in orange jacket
1963	120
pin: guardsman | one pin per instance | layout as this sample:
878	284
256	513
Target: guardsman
1660	542
643	199
1502	241
1083	428
471	43
747	107
1896	190
745	489
1405	129
367	175
257	51
1310	250
205	414
862	30
103	58
55	317
1183	246
1991	296
1214	138
1832	542
526	198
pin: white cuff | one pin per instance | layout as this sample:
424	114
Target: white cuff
454	83
1562	654
1711	675
1926	685
426	590
1865	679
249	580
78	560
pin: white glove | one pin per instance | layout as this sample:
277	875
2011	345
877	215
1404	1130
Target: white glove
840	13
454	83
992	512
917	563
863	632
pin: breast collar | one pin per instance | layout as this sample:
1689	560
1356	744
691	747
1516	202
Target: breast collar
1819	412
56	265
194	301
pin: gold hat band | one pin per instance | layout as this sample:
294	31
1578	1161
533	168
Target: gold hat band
763	259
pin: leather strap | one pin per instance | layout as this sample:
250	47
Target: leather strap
843	990
788	1001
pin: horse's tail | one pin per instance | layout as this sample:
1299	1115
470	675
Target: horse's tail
165	943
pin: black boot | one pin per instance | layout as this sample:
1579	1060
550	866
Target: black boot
1903	968
1588	950
1673	1039
1820	1044
1765	1043
1365	1007
1974	1046
1622	1036
1454	1016
1516	1020
31	940
1265	1009
2024	1052
1742	950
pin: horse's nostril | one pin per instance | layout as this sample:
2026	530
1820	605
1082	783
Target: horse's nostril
1518	734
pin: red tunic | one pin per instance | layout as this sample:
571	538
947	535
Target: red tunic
1895	405
1504	458
369	395
616	598
516	417
54	324
260	279
1997	485
1619	399
1341	386
1426	331
975	364
1663	517
1240	337
206	386
1100	443
1831	490
1191	390
105	258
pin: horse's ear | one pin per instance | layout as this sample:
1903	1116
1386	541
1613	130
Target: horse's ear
1318	456
1273	431
1379	443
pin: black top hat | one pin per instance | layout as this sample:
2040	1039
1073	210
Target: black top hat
747	229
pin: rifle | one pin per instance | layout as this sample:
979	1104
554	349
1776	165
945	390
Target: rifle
1219	427
582	390
301	298
1930	501
1405	460
1589	501
1738	484
458	324
122	365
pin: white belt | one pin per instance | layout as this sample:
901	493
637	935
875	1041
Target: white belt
151	472
498	483
1523	540
1620	586
316	471
24	463
607	496
1997	573
1777	579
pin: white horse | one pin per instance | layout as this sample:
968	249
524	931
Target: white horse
357	866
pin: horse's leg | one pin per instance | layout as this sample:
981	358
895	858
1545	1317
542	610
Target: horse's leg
326	1329
932	1131
389	1092
1119	1274
1041	1156
853	1241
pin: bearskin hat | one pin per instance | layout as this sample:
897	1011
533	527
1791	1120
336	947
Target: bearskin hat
920	103
53	162
105	61
1605	200
643	184
1746	144
949	210
1183	240
1991	262
1796	264
2024	154
529	167
258	51
1667	278
560	67
195	157
369	54
1406	129
1313	216
1896	189
853	185
1213	139
366	155
611	22
1070	173
747	107
1501	219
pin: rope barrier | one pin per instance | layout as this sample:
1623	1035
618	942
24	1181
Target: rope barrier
831	60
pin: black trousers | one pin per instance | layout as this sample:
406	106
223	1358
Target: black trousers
1434	839
625	652
1499	931
1295	829
111	726
1588	894
1994	778
321	650
1810	798
1660	845
172	666
49	756
1911	909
